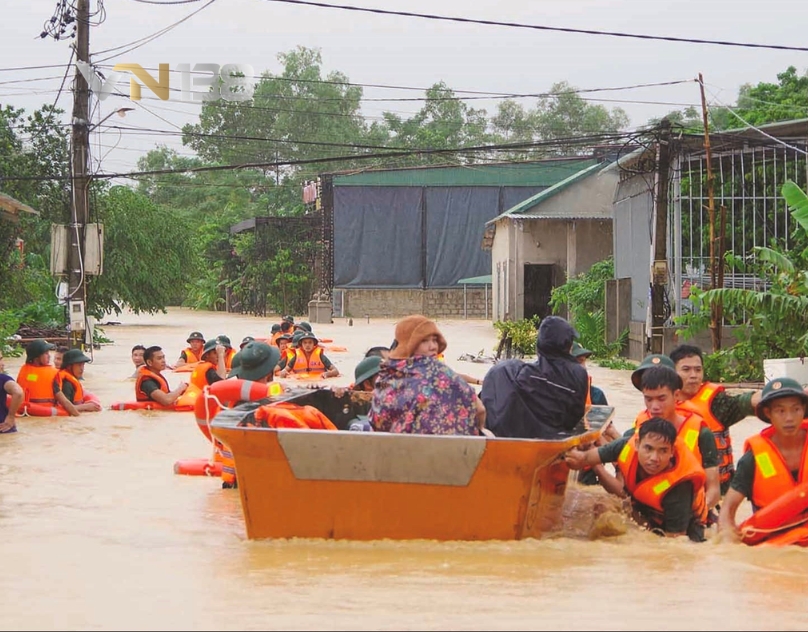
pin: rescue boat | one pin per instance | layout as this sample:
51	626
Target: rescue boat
302	483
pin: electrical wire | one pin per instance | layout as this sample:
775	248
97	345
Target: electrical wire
537	27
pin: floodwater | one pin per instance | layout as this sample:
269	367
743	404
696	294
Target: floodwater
98	533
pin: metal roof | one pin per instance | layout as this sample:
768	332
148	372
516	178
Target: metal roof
486	279
535	173
11	208
524	210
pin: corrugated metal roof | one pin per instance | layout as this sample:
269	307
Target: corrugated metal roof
523	209
537	173
13	207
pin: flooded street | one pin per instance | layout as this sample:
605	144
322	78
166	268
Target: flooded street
99	533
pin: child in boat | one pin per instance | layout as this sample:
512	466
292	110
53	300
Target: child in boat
664	479
775	461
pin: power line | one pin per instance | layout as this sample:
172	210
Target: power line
560	143
537	27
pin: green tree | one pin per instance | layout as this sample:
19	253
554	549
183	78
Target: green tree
147	251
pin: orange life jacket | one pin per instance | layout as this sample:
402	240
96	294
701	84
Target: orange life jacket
37	383
78	396
312	364
190	356
688	432
652	489
700	404
228	358
145	373
198	376
287	415
772	478
441	357
589	393
274	339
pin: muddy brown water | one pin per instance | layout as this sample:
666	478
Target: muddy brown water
96	532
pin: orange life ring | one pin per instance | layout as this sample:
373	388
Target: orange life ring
48	410
198	467
335	349
188	367
185	402
228	392
767	523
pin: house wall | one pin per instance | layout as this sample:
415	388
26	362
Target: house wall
570	245
633	203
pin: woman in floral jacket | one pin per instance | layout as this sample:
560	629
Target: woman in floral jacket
417	393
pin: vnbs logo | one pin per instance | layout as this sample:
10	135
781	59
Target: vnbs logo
230	82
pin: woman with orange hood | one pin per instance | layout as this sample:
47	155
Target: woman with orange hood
417	393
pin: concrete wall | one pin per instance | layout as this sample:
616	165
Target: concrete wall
437	303
633	203
571	245
670	339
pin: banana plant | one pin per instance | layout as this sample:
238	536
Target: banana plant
777	316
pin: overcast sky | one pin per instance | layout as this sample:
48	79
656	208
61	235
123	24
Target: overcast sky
402	51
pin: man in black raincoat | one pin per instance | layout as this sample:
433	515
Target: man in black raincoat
539	399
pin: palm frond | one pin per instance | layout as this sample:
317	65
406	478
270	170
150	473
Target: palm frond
784	306
797	201
778	259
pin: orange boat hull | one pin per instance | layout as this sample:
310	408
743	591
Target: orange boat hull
369	486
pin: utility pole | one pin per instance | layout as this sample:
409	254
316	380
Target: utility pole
659	268
79	153
715	310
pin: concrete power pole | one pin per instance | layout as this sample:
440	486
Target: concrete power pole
80	208
659	268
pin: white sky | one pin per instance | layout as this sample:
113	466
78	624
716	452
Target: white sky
415	52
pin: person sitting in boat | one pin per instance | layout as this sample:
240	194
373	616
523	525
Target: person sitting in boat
211	367
416	393
137	358
775	461
538	399
229	351
150	384
366	373
193	352
57	355
244	341
309	358
11	391
660	386
37	374
380	352
596	396
304	327
67	386
663	478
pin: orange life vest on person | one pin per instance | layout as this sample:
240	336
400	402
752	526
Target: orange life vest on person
772	477
199	374
700	404
651	490
274	339
145	373
228	358
312	364
190	356
61	376
688	432
37	383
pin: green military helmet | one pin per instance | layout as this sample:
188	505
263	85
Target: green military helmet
366	369
73	356
210	345
655	359
777	388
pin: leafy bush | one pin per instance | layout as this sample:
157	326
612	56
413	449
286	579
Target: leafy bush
517	338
